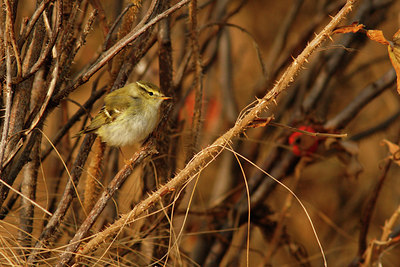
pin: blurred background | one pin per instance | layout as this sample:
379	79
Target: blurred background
214	60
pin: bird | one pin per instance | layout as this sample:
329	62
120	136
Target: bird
129	115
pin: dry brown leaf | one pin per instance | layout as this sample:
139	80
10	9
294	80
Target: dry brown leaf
396	37
394	55
261	122
354	27
394	151
377	36
396	64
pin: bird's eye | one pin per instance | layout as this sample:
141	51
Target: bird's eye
150	93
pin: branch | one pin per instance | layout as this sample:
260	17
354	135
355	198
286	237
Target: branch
115	49
108	193
197	82
208	154
66	199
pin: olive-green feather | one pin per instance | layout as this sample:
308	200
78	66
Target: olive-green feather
115	103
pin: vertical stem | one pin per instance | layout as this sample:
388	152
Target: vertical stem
28	189
198	86
10	29
8	98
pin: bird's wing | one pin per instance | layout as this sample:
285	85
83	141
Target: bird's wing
114	104
117	100
100	119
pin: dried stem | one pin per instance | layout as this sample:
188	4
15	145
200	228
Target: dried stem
93	176
367	95
8	97
280	39
116	183
28	189
36	15
279	229
115	49
10	30
47	50
198	80
68	196
369	210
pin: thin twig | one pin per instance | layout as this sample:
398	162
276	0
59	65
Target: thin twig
87	29
331	135
372	256
36	15
44	54
278	231
68	196
368	94
10	30
102	16
380	126
73	119
52	84
115	24
281	36
369	209
115	49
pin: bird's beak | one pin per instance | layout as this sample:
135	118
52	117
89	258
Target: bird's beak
166	97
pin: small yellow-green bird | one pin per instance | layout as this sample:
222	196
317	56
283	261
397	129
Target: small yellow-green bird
129	114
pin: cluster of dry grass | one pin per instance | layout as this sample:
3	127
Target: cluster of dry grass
224	179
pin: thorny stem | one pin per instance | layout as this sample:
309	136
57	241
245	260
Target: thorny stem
208	154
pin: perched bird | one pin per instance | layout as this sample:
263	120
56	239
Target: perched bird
129	114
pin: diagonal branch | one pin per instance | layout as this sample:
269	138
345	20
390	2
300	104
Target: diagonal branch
208	154
115	49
